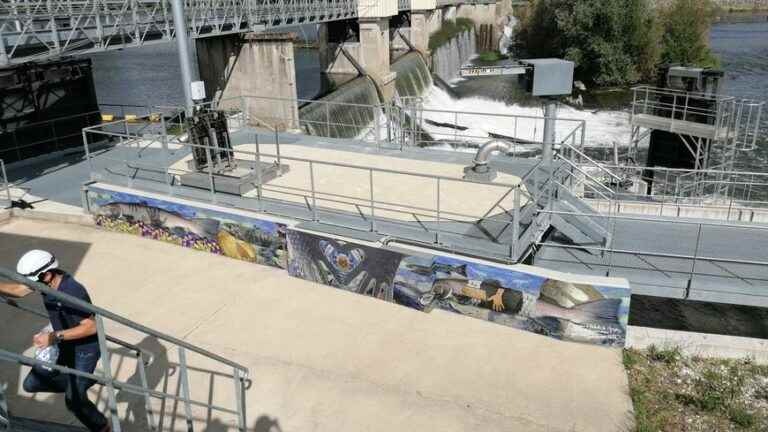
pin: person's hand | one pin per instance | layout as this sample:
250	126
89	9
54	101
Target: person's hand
497	302
43	340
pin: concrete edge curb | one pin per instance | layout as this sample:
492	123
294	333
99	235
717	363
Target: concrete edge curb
699	344
69	218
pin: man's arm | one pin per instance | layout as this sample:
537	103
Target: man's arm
87	327
14	289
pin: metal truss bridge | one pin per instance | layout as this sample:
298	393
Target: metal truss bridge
33	30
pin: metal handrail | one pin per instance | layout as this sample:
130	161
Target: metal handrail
107	379
96	310
6	186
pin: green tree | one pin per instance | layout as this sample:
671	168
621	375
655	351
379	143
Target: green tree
686	26
611	41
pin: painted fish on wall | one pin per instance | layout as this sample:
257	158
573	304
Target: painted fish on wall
249	240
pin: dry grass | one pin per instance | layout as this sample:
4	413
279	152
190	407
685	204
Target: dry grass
672	392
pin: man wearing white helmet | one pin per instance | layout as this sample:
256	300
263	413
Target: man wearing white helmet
74	331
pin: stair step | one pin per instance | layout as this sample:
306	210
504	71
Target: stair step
585	224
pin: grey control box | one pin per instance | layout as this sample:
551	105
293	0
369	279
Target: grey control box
549	76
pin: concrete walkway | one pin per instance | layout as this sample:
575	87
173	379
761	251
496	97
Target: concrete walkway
320	359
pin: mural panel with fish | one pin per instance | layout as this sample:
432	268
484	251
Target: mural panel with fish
353	267
519	299
228	234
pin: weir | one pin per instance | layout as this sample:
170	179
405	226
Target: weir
447	59
413	76
344	113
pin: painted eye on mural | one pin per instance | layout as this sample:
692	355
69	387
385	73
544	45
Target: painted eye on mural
343	260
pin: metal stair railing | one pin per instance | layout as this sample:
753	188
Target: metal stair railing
106	378
5	188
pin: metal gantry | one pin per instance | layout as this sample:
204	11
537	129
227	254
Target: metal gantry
40	29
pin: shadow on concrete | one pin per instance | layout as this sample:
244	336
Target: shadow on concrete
267	424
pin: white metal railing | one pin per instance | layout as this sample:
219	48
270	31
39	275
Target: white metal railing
108	377
6	198
307	199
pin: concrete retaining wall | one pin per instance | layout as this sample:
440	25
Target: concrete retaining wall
560	305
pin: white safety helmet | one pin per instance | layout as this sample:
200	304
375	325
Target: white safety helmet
36	262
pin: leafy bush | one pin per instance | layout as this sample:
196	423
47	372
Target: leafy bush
448	31
617	42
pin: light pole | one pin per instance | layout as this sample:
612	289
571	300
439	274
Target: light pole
182	44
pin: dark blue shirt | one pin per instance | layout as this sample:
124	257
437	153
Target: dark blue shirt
64	316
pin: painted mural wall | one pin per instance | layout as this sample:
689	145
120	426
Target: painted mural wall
235	236
522	297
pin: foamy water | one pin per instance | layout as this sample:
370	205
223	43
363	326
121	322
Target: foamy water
602	128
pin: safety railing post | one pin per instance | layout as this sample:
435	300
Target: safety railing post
312	187
209	166
166	153
438	199
377	126
259	175
184	382
516	225
693	262
6	184
373	203
239	399
147	394
106	365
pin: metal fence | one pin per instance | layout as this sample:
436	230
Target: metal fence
700	267
397	126
6	199
387	201
112	382
40	138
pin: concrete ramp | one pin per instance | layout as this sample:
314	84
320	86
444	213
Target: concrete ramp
321	359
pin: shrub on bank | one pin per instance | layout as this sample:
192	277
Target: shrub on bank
617	42
448	31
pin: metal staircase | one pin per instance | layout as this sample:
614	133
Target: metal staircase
138	385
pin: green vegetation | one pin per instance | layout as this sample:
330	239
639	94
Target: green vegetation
618	42
448	31
673	392
490	57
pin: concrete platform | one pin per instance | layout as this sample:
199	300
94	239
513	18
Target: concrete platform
320	359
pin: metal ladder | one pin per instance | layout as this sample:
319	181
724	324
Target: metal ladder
106	376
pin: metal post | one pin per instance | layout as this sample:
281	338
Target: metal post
259	177
107	366
184	381
373	204
376	125
182	41
516	225
209	162
277	149
312	186
239	396
693	264
438	199
5	180
550	121
166	153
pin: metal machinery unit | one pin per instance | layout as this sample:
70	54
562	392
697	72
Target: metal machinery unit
44	106
213	159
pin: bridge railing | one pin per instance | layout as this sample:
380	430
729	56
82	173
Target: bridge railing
112	377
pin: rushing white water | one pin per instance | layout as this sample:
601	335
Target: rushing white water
602	128
448	59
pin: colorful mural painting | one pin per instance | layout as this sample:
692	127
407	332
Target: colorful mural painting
361	269
239	237
526	301
522	297
523	300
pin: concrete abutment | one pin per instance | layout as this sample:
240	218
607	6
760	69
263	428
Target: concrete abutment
258	64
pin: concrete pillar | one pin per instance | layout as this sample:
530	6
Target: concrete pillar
262	66
374	53
420	30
